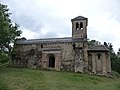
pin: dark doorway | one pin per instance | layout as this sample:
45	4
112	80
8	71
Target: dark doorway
52	61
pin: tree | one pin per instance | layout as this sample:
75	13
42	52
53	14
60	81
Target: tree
115	60
93	42
118	53
8	31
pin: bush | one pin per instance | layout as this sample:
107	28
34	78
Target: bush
115	64
3	58
115	74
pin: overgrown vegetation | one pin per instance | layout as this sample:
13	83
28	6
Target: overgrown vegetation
3	58
27	79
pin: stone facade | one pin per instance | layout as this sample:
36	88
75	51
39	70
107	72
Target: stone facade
68	54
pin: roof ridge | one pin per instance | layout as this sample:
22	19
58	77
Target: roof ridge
49	38
79	18
97	47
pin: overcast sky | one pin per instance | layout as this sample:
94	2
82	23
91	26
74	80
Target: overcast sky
52	18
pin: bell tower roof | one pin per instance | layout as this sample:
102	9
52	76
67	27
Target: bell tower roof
79	18
79	27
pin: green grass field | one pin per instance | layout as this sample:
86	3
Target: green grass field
28	79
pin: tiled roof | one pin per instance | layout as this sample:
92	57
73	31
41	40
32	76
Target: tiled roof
79	18
97	48
48	40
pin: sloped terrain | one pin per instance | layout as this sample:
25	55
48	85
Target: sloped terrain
28	79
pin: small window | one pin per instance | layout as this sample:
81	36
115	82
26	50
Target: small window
99	56
74	46
26	61
81	25
41	46
77	26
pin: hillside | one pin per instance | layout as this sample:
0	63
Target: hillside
28	79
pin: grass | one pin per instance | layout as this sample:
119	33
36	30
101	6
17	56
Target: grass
28	79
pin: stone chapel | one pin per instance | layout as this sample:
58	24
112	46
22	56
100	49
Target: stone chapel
68	54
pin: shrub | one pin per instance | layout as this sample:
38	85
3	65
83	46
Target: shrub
3	58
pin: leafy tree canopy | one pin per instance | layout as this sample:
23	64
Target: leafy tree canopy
8	30
8	33
93	42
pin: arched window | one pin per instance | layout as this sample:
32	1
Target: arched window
90	62
77	26
26	62
99	63
81	25
99	56
74	46
41	46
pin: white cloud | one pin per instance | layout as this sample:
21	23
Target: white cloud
29	34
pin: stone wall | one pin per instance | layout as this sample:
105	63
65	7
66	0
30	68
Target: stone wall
36	56
99	62
67	57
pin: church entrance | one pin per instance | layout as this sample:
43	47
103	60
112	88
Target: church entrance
52	61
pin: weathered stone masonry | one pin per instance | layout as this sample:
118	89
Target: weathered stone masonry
69	54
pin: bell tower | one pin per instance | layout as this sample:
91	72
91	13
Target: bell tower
79	32
79	27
